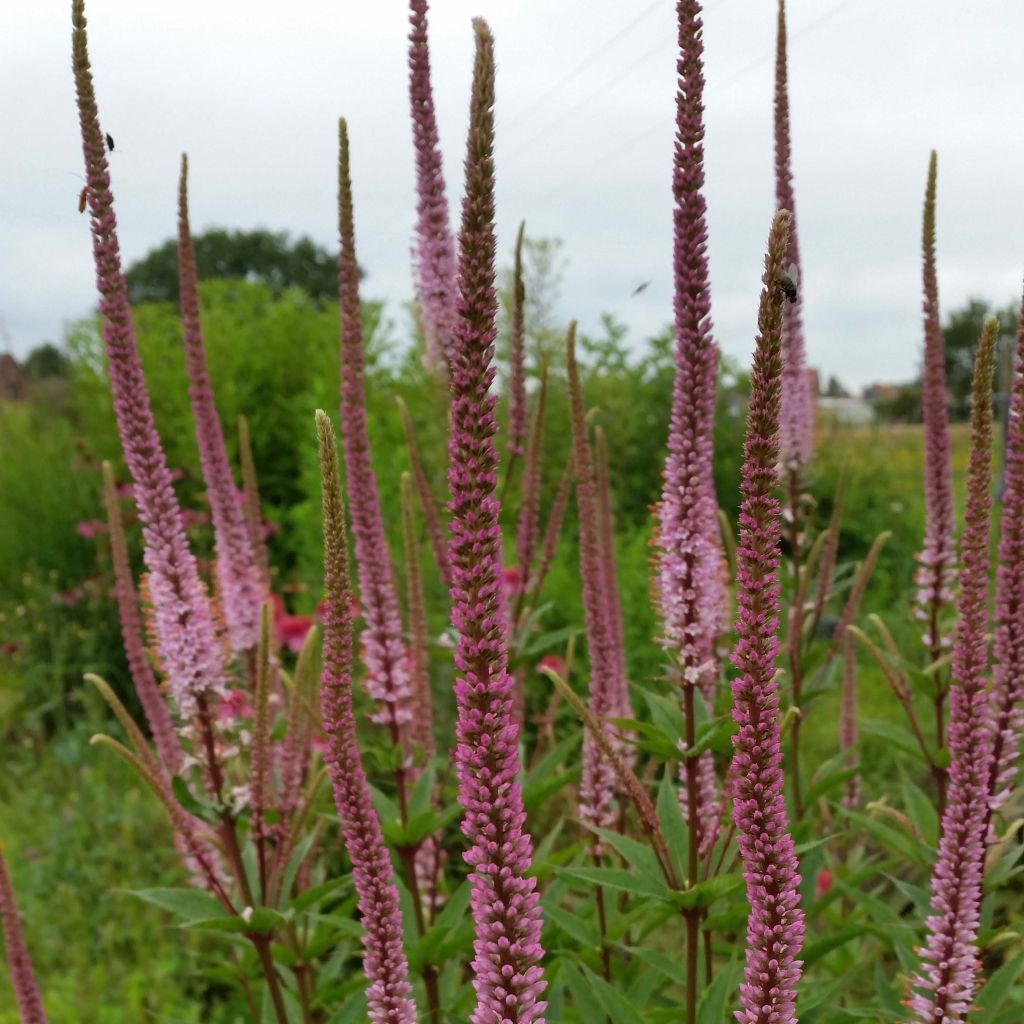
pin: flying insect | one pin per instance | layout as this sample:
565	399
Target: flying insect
789	281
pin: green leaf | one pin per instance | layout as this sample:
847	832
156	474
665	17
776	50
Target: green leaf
614	878
670	966
703	894
673	824
421	796
921	811
814	951
667	715
188	904
574	926
201	809
615	1006
635	854
894	735
584	999
715	999
299	854
318	893
994	992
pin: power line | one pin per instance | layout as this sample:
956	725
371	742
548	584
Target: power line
631	143
584	64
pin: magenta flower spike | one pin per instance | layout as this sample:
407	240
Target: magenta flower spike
154	706
190	650
528	519
691	595
796	423
775	927
517	414
26	989
435	248
598	783
238	572
508	977
384	962
609	583
1008	672
937	560
947	980
384	655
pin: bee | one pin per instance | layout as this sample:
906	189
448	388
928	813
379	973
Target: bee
110	142
81	199
789	281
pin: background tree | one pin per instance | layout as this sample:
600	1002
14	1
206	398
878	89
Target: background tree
259	256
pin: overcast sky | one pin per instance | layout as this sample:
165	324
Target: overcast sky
585	97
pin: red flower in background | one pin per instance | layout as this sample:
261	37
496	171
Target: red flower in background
822	883
233	706
291	630
552	663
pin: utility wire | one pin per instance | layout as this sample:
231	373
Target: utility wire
630	144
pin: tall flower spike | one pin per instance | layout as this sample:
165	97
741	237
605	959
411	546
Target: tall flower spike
691	595
796	424
238	573
189	649
609	582
428	507
848	717
517	416
1008	673
508	977
384	962
251	492
937	559
528	519
435	247
419	658
597	786
947	980
383	649
168	746
775	927
26	990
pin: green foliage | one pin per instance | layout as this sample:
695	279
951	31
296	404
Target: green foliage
261	256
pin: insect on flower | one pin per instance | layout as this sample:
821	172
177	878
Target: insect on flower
110	141
789	280
81	199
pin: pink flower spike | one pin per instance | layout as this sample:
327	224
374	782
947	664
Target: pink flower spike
26	990
384	655
434	259
186	637
154	704
775	927
937	572
607	673
517	413
1008	672
238	572
946	982
796	422
384	962
508	977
